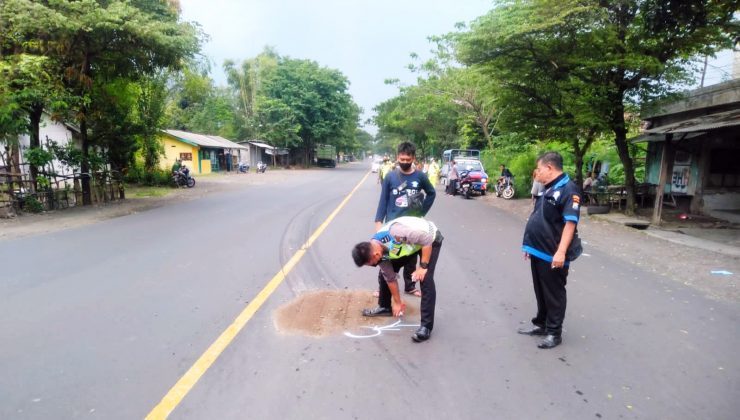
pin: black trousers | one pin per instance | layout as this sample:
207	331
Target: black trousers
549	289
428	289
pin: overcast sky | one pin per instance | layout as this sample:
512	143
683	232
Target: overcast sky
369	41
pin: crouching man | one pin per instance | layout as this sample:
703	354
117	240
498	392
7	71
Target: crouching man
396	242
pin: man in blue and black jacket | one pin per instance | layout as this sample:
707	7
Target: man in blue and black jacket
551	243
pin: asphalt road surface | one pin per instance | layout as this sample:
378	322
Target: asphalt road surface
103	320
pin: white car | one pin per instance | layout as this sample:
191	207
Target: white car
376	165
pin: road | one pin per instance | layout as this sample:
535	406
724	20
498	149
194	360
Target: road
103	320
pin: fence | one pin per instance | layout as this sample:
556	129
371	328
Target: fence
18	192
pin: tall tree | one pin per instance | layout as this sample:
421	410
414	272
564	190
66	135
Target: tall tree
116	38
616	53
312	98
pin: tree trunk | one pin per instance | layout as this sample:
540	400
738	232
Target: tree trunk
34	115
620	139
579	165
85	166
580	152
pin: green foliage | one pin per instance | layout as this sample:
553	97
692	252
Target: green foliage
32	205
67	154
43	183
38	157
138	175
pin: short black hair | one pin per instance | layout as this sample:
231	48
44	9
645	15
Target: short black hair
552	158
361	253
407	148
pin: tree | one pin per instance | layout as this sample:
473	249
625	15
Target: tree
423	114
299	94
90	39
606	55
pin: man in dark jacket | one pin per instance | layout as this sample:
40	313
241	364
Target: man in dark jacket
401	195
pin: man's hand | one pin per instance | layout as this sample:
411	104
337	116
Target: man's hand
399	306
526	256
558	260
419	274
378	225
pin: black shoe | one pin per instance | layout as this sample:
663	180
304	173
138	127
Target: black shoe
533	330
550	341
377	311
422	334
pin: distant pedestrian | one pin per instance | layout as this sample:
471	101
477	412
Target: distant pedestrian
537	187
551	242
452	177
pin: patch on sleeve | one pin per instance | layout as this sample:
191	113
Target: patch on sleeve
576	199
575	206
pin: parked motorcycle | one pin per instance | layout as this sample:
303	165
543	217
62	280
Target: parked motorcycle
472	181
505	188
243	167
464	185
182	178
261	167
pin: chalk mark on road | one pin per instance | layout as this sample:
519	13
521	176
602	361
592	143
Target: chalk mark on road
376	330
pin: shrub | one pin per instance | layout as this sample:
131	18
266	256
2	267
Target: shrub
138	175
32	205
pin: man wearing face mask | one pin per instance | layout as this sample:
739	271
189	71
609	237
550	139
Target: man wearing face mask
405	192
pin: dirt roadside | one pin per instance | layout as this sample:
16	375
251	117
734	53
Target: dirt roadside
52	221
687	265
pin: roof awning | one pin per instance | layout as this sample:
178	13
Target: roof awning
276	151
692	127
203	140
261	145
658	138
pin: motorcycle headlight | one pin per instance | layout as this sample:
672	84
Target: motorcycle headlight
484	180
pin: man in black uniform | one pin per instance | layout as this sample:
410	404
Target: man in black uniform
551	242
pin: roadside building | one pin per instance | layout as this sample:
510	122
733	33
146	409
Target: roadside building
693	151
50	132
260	151
202	153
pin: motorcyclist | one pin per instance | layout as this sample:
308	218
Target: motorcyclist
505	177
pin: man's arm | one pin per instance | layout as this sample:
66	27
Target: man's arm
382	203
431	193
390	277
426	255
558	260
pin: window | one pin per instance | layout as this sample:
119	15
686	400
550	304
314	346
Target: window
186	156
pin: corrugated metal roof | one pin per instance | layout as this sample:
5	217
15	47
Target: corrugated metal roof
228	144
690	128
204	140
703	123
262	145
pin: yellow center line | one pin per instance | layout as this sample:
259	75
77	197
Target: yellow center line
186	383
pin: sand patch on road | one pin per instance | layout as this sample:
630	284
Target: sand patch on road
330	312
